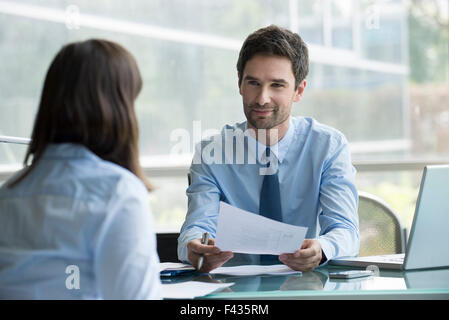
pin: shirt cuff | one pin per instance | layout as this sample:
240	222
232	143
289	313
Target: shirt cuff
323	257
184	239
327	249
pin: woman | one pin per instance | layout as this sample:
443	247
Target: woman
76	222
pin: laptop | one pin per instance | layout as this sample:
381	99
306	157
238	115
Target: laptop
428	245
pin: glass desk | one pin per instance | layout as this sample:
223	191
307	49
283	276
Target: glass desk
423	284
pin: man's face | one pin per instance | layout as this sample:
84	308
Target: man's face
268	91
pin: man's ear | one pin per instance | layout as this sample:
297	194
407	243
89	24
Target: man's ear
299	91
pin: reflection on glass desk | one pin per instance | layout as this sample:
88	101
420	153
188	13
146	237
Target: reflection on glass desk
425	284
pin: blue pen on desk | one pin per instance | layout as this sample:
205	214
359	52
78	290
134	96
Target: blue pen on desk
204	240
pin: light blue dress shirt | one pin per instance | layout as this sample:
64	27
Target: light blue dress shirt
77	227
316	180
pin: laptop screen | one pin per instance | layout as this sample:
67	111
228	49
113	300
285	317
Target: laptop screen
428	245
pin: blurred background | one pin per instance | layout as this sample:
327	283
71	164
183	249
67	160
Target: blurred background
379	73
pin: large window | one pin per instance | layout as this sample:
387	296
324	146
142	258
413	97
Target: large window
379	74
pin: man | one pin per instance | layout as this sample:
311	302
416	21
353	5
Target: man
312	184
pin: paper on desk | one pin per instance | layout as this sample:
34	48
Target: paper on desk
245	232
190	289
174	266
252	270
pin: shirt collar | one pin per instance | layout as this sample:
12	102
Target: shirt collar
279	150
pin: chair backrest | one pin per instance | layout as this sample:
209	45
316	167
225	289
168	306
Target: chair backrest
381	230
167	246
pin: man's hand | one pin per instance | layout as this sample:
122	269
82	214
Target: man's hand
213	256
305	259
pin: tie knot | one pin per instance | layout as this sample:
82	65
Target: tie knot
270	155
267	152
270	163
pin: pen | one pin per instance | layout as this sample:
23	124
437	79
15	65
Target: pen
204	240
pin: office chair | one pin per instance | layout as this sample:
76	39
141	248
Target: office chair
167	246
381	230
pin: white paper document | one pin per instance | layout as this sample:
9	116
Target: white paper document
164	266
252	270
245	232
190	289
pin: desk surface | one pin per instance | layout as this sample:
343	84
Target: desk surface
424	284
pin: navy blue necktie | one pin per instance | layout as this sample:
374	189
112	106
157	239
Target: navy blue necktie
270	204
270	197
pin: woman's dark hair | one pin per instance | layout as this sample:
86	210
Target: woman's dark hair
88	99
274	40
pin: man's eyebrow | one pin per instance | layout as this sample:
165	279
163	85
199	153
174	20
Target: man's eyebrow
248	77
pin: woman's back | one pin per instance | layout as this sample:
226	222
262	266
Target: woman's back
77	227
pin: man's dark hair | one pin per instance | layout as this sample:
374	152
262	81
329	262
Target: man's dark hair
274	40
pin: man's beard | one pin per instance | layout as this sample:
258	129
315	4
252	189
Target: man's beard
261	122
